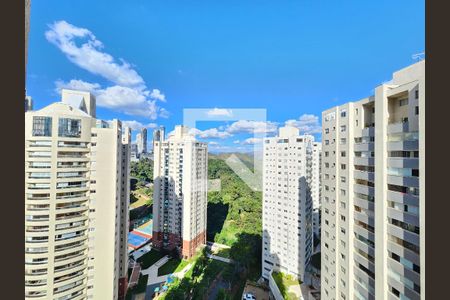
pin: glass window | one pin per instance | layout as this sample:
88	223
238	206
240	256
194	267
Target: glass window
69	127
42	126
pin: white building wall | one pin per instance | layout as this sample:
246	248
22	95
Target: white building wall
287	203
373	209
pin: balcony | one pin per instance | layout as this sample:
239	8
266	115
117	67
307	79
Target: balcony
403	252
368	130
402	145
363	217
363	246
403	198
398	127
402	162
359	147
403	234
403	216
364	161
364	189
364	175
411	181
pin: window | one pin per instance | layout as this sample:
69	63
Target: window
42	126
343	113
417	110
69	127
327	130
343	141
342	153
343	128
343	166
343	179
356	122
403	102
416	93
342	192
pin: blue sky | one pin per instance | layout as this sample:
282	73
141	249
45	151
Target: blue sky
148	60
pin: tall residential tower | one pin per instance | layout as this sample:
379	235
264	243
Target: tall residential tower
180	191
287	202
373	221
141	140
76	202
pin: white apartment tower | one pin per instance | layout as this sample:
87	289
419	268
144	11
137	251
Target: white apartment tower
141	140
373	199
180	191
316	186
76	202
287	202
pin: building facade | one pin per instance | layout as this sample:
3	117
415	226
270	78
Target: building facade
180	191
75	172
287	202
141	140
373	199
316	187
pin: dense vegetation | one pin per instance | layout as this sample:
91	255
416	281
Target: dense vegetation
142	170
235	217
141	196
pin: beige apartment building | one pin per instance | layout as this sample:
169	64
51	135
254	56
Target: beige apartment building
180	191
373	199
76	202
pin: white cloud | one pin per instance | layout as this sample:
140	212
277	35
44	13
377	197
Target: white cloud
129	95
212	133
76	84
213	143
220	112
135	125
307	124
123	99
156	94
245	126
236	142
88	55
163	113
252	141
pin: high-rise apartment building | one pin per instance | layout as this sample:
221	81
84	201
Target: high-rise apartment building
180	191
141	140
373	199
316	187
28	103
287	202
76	202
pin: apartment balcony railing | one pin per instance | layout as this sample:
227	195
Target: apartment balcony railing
411	181
403	162
403	198
397	127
